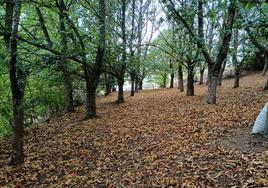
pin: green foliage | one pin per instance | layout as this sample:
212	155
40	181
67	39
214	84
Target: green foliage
254	63
5	95
160	79
265	7
5	106
42	94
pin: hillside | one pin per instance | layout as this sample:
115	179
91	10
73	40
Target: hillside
156	138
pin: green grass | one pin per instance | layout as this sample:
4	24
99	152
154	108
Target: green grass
5	128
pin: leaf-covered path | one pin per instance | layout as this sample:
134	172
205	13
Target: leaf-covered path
157	138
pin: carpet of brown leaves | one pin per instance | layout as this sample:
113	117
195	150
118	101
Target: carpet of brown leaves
158	138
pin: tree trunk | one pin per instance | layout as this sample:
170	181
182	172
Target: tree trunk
141	19
43	27
265	67
120	97
18	87
92	75
91	102
234	59
18	132
63	63
224	40
141	84
171	75
222	54
266	85
180	78
212	90
201	80
120	79
237	77
108	86
90	98
17	80
209	75
90	94
164	80
113	89
137	84
68	92
133	69
132	85
190	81
172	80
107	90
221	73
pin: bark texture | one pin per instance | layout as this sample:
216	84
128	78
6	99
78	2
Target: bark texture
180	79
17	79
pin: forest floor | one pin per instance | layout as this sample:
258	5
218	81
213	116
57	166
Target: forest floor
158	138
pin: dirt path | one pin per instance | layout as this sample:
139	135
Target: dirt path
157	138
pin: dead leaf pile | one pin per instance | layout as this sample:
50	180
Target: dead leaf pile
159	138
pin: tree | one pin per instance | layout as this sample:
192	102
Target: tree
119	70
40	50
17	78
92	75
224	39
221	72
180	78
63	61
132	64
242	55
171	74
255	23
91	72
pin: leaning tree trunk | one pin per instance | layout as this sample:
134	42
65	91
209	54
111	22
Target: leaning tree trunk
190	81
222	54
221	73
180	78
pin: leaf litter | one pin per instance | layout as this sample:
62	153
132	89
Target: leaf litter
159	138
